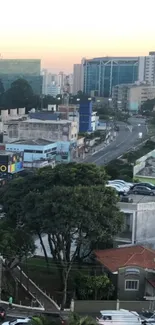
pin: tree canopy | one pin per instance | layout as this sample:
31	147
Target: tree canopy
71	205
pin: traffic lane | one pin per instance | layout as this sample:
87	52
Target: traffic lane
114	149
118	149
110	147
122	148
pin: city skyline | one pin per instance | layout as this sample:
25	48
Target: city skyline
60	34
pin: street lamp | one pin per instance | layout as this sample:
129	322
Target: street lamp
77	99
89	98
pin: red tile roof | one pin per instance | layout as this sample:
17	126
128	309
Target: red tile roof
151	282
115	258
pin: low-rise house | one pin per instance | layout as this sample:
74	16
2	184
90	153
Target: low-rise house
132	270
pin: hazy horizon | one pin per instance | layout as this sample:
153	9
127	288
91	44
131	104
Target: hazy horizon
62	33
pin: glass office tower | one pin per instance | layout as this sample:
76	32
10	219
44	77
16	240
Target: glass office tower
28	69
101	74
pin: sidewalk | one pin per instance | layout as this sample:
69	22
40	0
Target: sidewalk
97	148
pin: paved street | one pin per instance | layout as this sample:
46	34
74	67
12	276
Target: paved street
124	141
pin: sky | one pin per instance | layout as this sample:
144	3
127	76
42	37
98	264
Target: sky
62	32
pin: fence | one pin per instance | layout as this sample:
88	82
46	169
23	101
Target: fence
93	307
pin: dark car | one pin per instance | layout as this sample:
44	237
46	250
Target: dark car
2	313
143	190
56	318
149	185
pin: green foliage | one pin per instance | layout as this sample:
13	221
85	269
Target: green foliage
76	319
15	243
123	168
70	204
93	287
19	94
147	107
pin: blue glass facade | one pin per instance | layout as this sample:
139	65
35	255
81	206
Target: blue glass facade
102	74
12	69
85	114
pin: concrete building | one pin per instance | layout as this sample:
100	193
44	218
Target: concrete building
52	130
61	81
131	96
139	226
77	78
147	68
144	169
34	150
44	74
28	69
53	89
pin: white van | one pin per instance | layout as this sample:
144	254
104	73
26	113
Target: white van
118	317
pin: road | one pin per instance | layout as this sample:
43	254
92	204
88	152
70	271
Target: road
125	140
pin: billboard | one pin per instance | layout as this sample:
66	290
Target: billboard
11	163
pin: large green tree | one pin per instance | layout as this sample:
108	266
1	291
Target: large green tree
20	94
71	205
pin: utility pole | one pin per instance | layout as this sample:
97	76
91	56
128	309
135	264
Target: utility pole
1	263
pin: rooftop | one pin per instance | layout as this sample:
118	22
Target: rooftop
6	153
149	169
137	201
47	121
116	258
39	142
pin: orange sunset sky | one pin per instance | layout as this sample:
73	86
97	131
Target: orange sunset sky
61	32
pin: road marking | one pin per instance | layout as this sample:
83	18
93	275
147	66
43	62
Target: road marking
101	157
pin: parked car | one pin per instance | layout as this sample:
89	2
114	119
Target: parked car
119	189
119	317
143	190
2	313
150	185
123	185
147	317
120	181
18	321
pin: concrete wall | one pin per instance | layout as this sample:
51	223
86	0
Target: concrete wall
93	307
145	225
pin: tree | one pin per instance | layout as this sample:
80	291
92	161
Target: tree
93	287
74	174
15	243
74	219
71	205
76	319
20	94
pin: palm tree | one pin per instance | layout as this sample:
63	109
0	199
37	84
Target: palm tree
76	319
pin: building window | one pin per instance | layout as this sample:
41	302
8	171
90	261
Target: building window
131	285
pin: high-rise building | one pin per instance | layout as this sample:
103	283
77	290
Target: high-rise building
101	74
78	77
53	89
147	68
61	81
28	69
45	81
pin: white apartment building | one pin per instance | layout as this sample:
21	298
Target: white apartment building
147	68
53	89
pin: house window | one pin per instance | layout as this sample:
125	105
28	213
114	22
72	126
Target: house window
131	285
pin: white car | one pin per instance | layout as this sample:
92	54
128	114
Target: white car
122	183
18	321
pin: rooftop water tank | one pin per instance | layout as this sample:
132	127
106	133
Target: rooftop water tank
13	112
21	111
4	114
